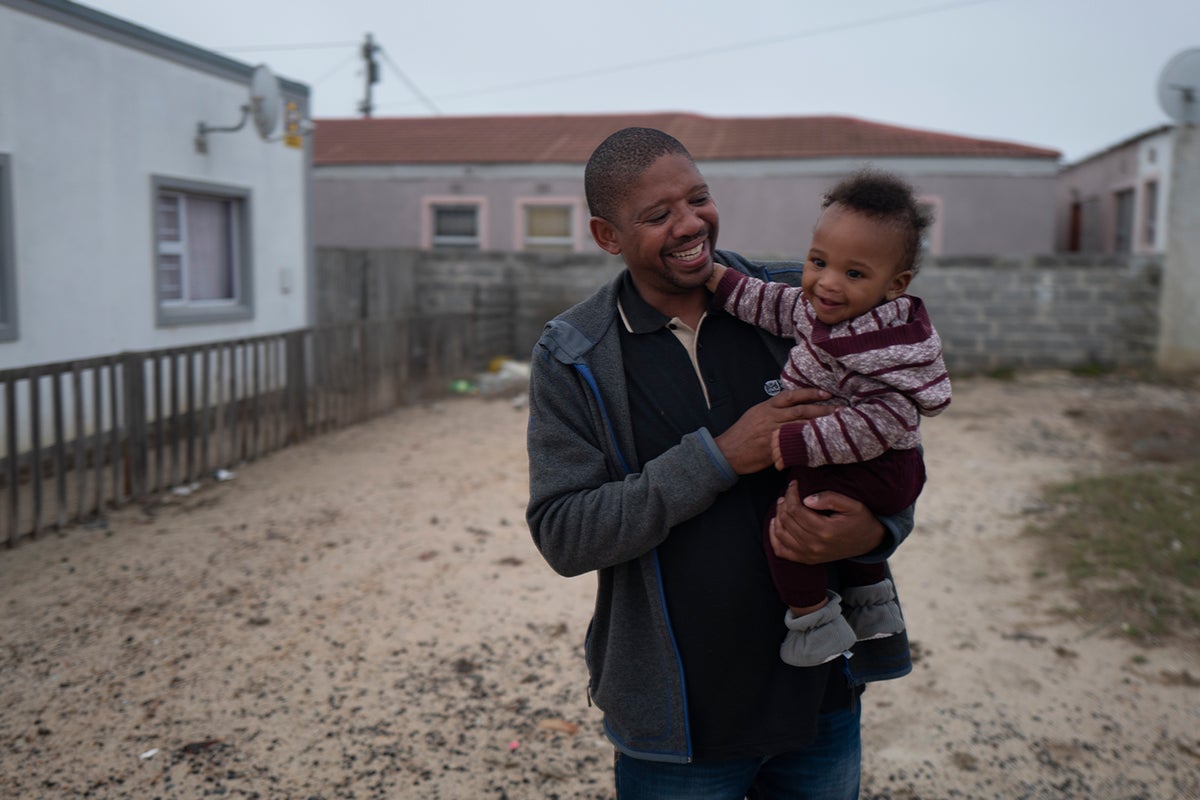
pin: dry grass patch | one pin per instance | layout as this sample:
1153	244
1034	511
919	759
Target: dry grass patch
1128	542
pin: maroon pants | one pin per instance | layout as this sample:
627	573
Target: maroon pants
886	485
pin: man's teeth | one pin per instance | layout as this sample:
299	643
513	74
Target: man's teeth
686	254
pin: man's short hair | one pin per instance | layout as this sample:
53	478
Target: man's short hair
619	161
887	198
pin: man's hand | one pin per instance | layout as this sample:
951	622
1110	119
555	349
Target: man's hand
822	527
747	443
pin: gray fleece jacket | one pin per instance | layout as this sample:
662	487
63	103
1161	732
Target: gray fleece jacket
594	507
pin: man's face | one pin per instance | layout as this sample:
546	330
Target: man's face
666	229
851	265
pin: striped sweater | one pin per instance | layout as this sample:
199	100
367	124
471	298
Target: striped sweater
885	367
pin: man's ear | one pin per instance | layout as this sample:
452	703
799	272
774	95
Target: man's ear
605	235
899	284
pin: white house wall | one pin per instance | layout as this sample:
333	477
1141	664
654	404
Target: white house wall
88	121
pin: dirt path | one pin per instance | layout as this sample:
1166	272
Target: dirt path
364	616
1012	698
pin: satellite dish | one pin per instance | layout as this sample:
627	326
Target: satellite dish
1179	87
265	108
265	100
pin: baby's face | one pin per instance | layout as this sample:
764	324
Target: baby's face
851	265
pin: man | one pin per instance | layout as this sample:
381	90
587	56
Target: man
650	462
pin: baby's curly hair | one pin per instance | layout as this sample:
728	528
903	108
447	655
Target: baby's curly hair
888	198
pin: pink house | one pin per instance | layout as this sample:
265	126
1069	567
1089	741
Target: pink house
1116	200
515	183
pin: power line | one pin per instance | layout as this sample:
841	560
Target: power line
263	48
412	87
752	43
373	48
601	71
333	71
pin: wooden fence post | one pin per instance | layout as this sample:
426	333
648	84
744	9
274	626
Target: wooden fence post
136	427
297	386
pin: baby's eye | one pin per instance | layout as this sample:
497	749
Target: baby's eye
819	263
854	274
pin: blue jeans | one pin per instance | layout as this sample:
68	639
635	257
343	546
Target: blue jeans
828	769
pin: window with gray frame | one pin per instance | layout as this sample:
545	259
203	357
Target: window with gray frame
202	251
8	265
1090	240
455	227
1150	213
1123	221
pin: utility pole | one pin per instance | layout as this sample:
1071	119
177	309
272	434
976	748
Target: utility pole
371	75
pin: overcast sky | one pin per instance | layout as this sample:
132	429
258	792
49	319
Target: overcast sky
1072	75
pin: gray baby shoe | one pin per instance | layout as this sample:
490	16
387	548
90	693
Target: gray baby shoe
872	611
816	637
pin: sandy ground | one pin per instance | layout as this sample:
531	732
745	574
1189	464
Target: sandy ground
364	616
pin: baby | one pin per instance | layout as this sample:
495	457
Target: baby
860	337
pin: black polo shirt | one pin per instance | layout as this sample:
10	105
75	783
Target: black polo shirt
725	613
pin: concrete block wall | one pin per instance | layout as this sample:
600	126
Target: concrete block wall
1043	311
549	285
993	313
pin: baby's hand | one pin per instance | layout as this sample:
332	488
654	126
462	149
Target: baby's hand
776	451
717	271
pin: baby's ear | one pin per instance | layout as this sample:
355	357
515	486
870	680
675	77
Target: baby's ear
899	284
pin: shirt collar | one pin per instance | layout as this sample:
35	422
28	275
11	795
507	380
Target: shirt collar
638	315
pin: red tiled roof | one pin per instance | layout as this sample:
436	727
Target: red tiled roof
564	138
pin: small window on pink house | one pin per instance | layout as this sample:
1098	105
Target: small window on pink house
1150	213
549	229
455	226
1123	221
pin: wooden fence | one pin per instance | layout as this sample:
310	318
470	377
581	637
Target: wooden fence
84	436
